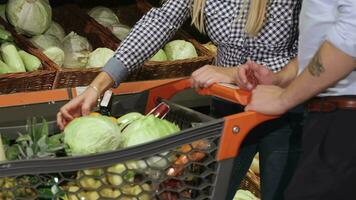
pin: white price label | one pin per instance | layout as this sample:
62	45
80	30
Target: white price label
106	99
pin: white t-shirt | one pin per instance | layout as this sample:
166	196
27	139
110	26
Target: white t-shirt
333	21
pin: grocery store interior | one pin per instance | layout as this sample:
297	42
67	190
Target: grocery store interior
77	124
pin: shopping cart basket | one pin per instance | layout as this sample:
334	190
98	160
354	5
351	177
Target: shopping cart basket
195	163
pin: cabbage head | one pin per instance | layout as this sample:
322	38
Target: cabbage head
56	30
91	134
55	54
120	31
44	42
125	120
104	16
146	129
31	17
99	57
180	49
76	51
159	56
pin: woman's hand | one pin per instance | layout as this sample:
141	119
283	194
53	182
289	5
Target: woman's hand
79	106
207	75
251	74
82	104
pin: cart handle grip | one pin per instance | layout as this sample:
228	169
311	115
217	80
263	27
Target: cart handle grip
225	91
236	127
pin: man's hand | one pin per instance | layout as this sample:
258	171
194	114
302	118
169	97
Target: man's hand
252	74
268	99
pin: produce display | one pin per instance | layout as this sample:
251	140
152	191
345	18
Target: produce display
29	17
106	17
69	51
175	50
13	59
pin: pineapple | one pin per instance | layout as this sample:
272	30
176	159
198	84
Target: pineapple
37	143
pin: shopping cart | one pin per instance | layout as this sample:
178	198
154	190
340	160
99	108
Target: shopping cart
195	163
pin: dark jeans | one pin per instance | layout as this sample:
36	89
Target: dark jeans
278	143
327	168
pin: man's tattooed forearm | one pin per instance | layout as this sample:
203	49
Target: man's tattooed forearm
315	67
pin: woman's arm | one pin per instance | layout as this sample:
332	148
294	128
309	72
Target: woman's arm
147	36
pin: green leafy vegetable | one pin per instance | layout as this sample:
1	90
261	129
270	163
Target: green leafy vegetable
56	30
180	49
159	56
32	17
91	134
76	51
99	57
146	129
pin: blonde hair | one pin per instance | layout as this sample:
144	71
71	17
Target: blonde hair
255	19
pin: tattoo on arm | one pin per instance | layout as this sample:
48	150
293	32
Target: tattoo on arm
315	67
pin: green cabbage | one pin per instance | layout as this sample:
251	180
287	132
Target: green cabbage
56	30
55	54
32	17
76	51
91	134
159	56
104	16
120	31
146	129
125	120
99	57
180	49
44	42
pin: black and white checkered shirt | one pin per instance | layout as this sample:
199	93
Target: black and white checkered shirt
274	46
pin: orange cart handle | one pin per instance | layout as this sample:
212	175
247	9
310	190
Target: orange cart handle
167	91
236	127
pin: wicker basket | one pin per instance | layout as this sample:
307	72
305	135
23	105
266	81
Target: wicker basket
152	70
41	79
72	18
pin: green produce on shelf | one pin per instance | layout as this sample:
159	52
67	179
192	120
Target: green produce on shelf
4	68
44	42
56	30
31	62
29	17
159	56
180	49
11	57
104	15
99	57
55	54
5	36
76	51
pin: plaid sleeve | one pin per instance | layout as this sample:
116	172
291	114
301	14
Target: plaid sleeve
150	33
294	47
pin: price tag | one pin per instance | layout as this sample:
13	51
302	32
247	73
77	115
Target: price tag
106	98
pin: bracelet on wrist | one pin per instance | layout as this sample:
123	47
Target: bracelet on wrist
97	92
